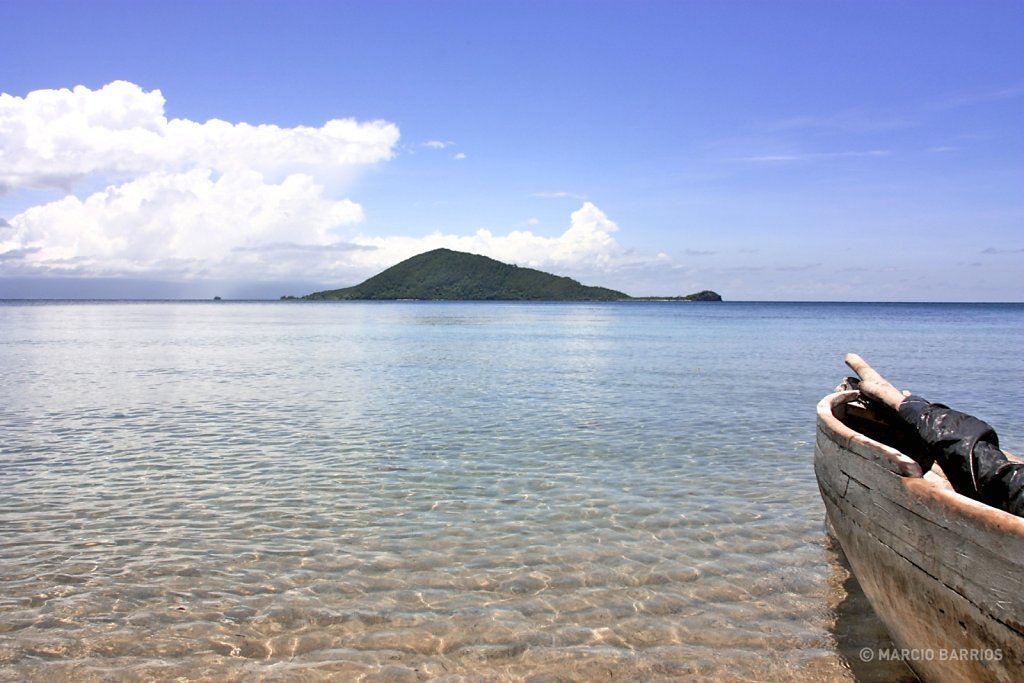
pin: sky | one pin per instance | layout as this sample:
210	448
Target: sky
768	150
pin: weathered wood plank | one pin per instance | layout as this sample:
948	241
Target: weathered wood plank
945	573
921	613
966	564
995	530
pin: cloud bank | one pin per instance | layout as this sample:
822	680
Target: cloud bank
179	224
183	200
587	241
55	138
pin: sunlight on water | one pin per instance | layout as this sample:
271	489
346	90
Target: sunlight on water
428	491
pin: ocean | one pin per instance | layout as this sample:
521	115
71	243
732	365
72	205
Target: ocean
405	491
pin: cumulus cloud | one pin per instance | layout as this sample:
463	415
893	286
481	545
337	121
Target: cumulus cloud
586	246
184	224
182	198
54	138
587	243
186	200
200	224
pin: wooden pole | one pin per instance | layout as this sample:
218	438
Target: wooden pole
872	384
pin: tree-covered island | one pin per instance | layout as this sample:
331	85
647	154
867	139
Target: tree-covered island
443	274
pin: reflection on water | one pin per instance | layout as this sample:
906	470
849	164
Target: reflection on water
418	491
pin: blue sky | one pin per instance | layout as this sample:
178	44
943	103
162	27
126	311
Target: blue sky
766	150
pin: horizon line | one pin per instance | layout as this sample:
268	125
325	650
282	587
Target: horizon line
636	299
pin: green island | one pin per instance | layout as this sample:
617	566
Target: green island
443	274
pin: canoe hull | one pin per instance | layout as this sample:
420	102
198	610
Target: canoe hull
944	574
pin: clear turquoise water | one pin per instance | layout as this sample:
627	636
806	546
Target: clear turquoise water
460	491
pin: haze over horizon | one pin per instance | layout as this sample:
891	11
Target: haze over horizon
859	151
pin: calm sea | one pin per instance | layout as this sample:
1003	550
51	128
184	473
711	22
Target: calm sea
453	491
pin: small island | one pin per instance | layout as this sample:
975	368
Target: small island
447	275
703	295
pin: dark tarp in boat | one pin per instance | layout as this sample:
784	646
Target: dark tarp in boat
967	450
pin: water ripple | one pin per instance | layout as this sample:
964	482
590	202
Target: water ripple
410	492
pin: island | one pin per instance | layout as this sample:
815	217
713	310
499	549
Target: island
444	274
703	295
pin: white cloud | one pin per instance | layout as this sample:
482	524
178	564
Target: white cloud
438	144
54	138
1008	92
180	224
182	198
461	156
199	225
816	156
587	244
559	195
219	200
857	120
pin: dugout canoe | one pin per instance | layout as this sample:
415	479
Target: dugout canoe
944	573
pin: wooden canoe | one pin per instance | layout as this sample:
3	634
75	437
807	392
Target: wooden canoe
944	573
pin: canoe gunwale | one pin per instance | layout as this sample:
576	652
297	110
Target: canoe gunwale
866	447
922	486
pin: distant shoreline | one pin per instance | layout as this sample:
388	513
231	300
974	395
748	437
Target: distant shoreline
505	301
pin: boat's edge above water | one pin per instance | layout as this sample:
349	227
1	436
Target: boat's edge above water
944	573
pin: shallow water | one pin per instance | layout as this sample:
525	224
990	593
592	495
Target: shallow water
411	491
